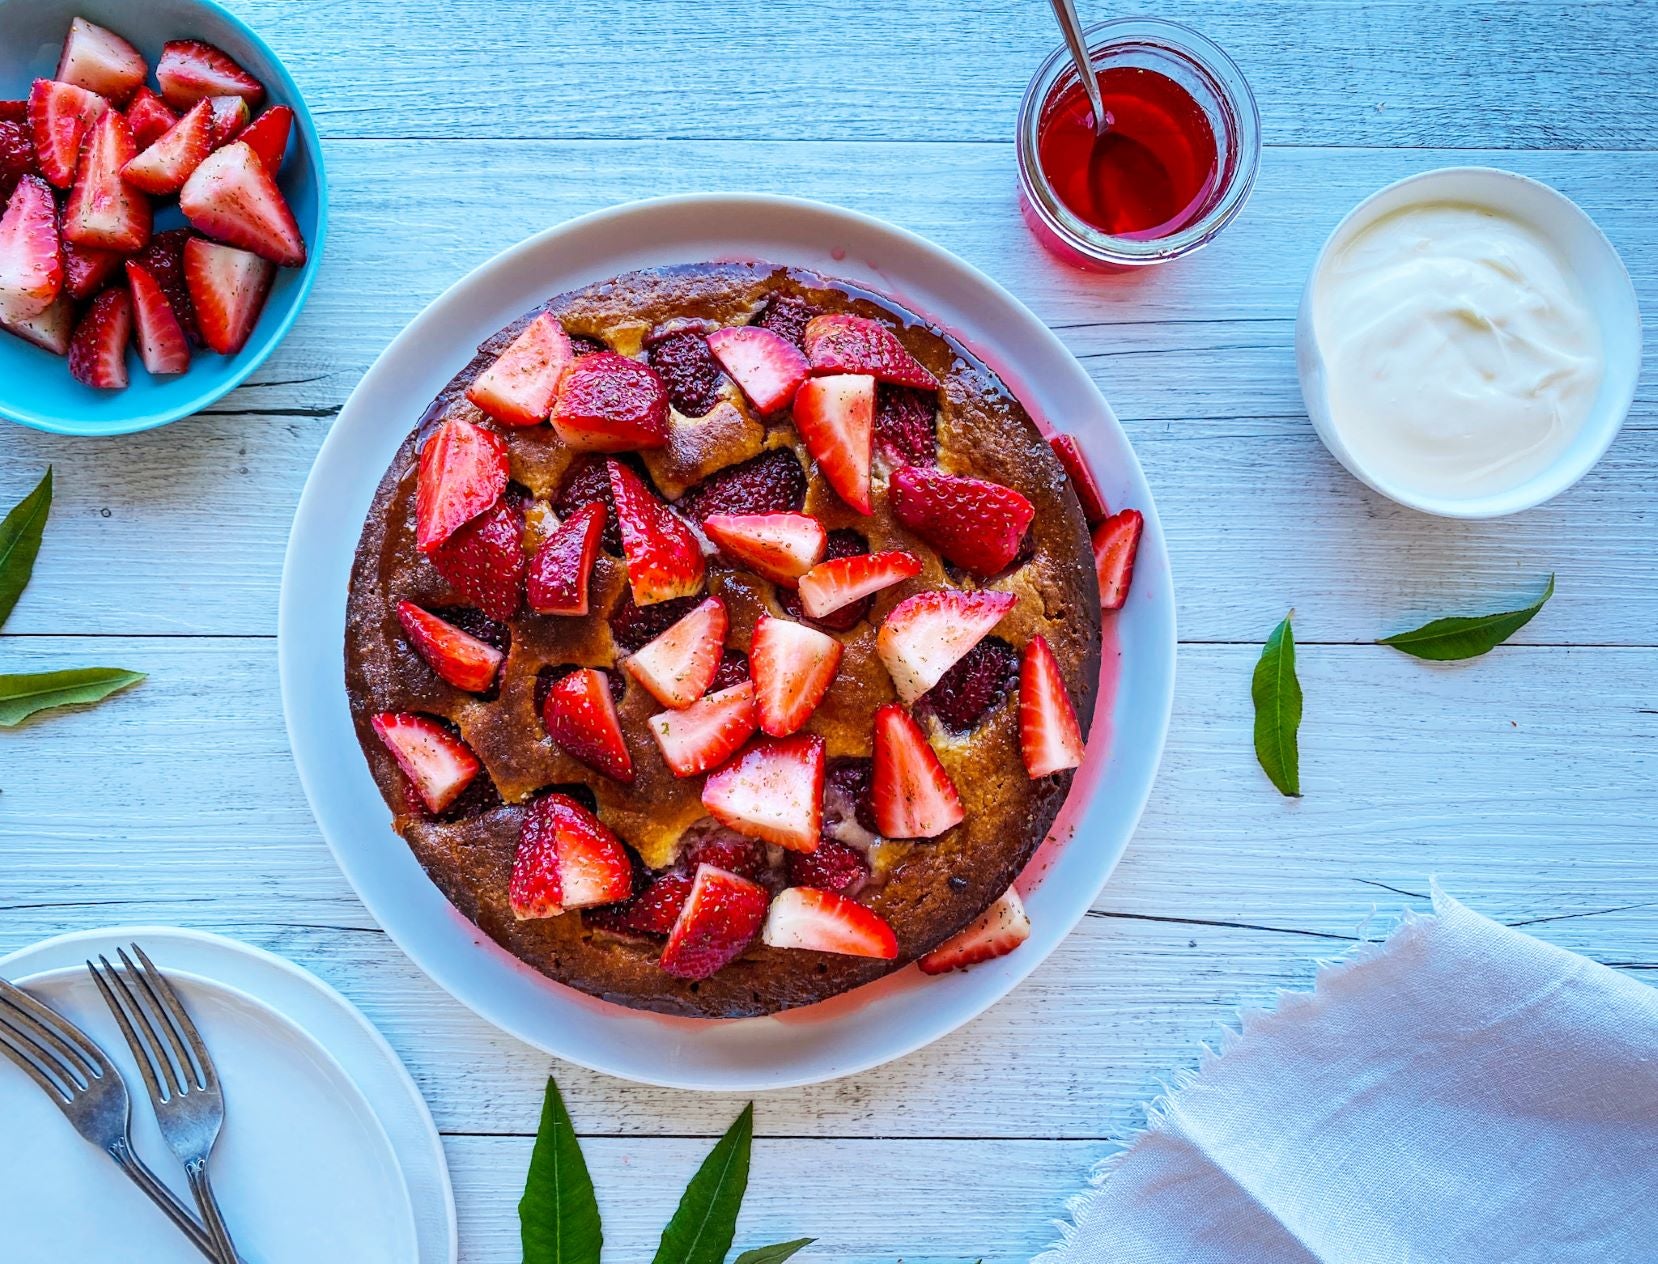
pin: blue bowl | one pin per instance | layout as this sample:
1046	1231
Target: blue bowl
35	386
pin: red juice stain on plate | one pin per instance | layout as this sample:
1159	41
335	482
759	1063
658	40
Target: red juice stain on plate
1154	171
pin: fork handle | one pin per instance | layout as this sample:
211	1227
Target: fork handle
212	1218
163	1198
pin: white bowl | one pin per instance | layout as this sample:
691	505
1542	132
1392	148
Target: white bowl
1592	260
858	1029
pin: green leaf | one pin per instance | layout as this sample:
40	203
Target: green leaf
706	1220
558	1217
774	1254
1459	637
1277	695
20	534
24	694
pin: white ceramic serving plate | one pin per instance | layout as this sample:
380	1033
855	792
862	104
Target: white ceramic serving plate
862	1028
327	1148
1592	259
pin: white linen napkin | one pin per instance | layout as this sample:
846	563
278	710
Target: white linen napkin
1461	1093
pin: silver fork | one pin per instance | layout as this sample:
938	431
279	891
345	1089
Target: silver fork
58	1056
184	1088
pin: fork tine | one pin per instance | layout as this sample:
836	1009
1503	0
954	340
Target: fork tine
140	1050
152	1025
33	1062
183	1025
161	1011
54	1029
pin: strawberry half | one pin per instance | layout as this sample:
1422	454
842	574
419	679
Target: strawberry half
162	345
268	134
1116	541
996	932
103	210
609	403
437	762
566	859
822	921
779	546
31	258
519	388
163	258
708	732
652	912
580	716
1050	740
98	351
767	368
483	560
60	115
792	667
973	522
927	634
227	289
721	918
842	580
230	117
678	666
149	118
913	795
100	61
165	166
190	70
49	330
1083	482
662	555
836	419
85	269
463	471
234	198
840	343
563	565
773	791
456	656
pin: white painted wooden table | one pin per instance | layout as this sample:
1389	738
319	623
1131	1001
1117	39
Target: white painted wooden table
1524	780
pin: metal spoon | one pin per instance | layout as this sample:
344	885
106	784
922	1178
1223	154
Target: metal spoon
1066	12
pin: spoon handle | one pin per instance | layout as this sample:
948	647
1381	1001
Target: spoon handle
1066	12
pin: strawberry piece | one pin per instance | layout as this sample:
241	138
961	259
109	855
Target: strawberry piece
971	521
679	665
149	118
436	762
721	918
708	732
772	791
166	165
609	403
100	61
652	912
190	70
835	416
841	343
1116	541
49	330
31	259
840	581
927	634
1050	740
483	560
688	369
779	546
848	797
85	269
17	156
162	345
562	566
767	367
792	666
772	482
822	921
979	681
786	316
98	350
60	115
906	425
1083	482
163	258
519	388
913	796
232	197
456	656
832	867
463	471
227	289
268	135
994	933
588	483
580	716
229	117
728	850
103	210
662	555
566	859
14	111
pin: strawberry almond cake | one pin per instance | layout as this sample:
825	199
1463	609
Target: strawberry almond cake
724	637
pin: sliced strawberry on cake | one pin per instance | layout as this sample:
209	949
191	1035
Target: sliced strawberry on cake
190	71
832	867
436	762
562	568
566	859
519	388
162	345
652	912
1081	474
840	581
678	666
722	916
973	522
708	732
835	416
772	791
1050	739
100	61
233	198
766	367
925	635
580	715
663	558
456	656
98	350
149	118
822	921
227	289
60	116
792	667
463	471
31	258
778	546
163	167
1116	541
609	403
994	933
483	560
841	343
913	796
268	135
104	211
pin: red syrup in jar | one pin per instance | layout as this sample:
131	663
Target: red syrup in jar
1152	174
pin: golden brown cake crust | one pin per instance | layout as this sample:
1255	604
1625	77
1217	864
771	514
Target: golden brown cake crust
927	890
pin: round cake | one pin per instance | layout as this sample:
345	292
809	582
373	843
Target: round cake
722	638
